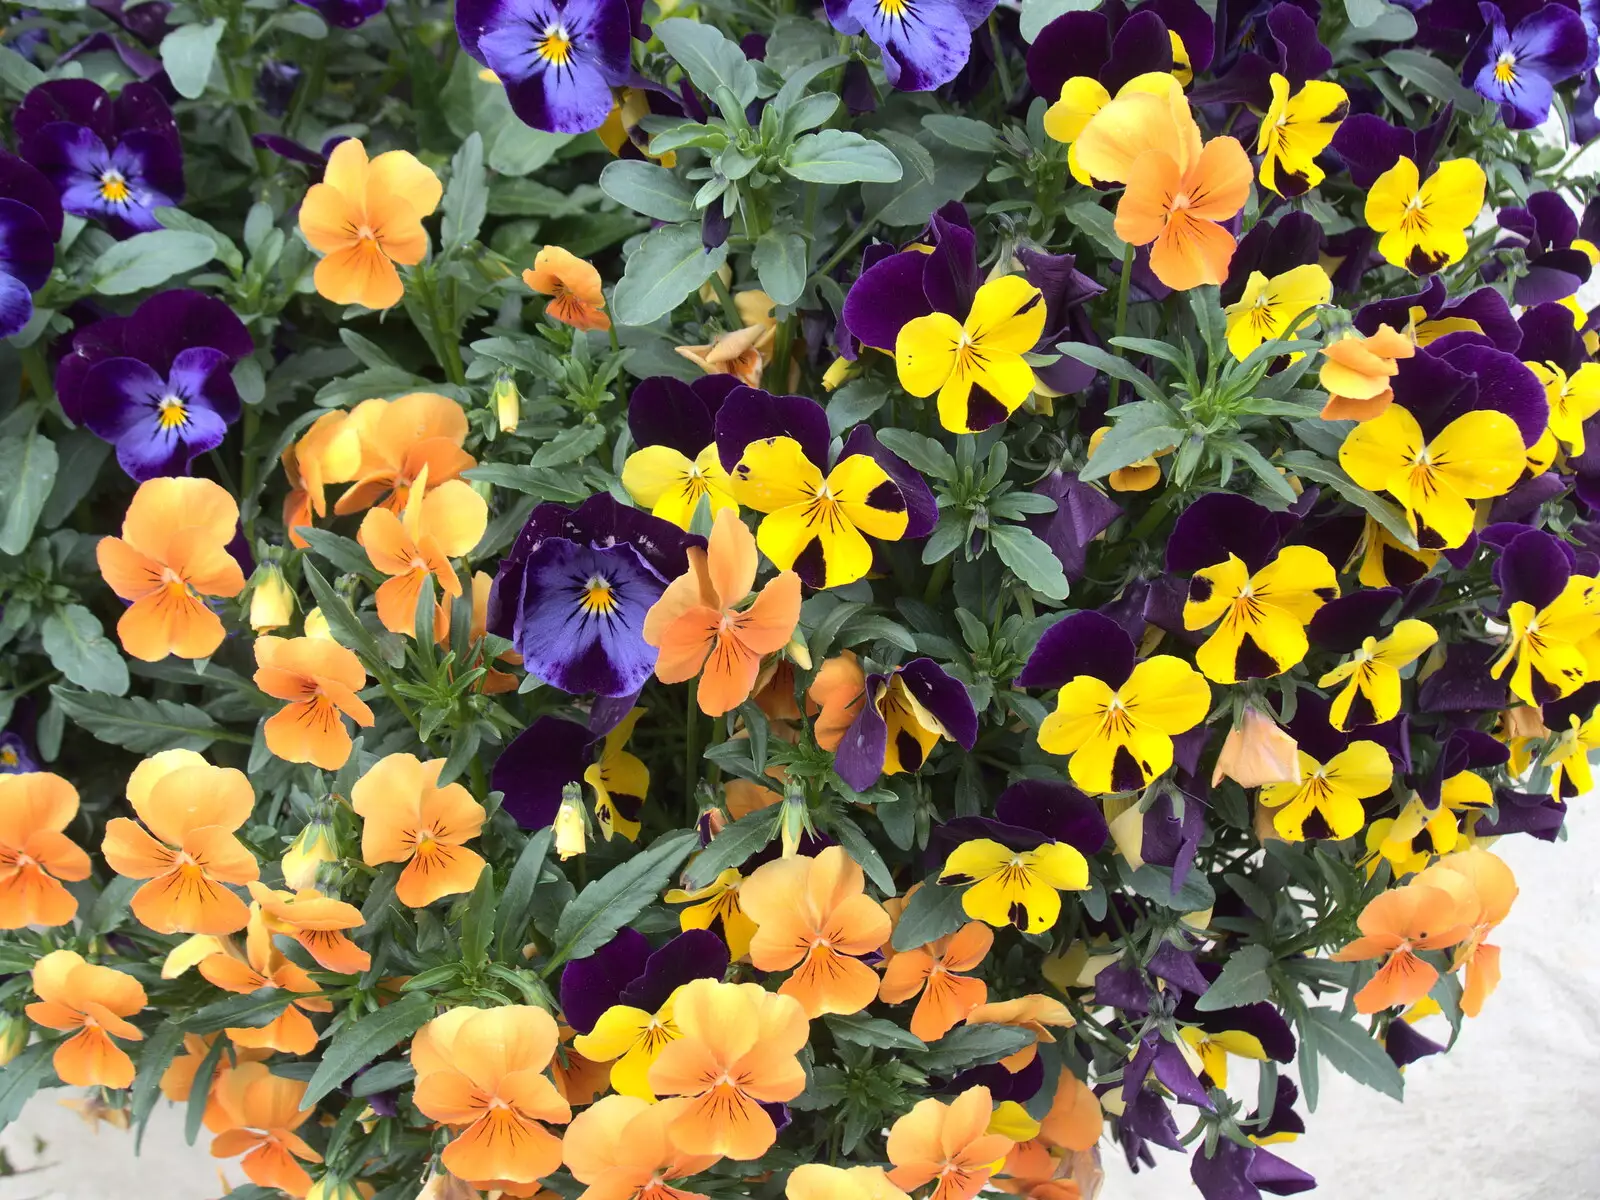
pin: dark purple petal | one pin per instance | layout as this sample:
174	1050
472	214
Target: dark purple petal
1085	643
750	414
860	98
1301	54
1396	312
591	985
887	296
27	251
565	643
346	14
1056	809
693	954
1369	146
1147	1117
1488	309
945	697
1504	384
1283	1119
1020	1086
536	765
1178	968
860	754
1063	286
1404	1045
1170	840
22	183
147	22
1548	336
1166	1062
1122	986
1463	683
73	101
1538	815
922	510
1272	1174
1083	513
663	411
1553	276
289	148
170	322
1140	46
1344	623
1075	43
1194	27
1294	241
1533	568
1222	523
1523	502
141	106
950	272
16	304
1224	1174
606	713
1433	390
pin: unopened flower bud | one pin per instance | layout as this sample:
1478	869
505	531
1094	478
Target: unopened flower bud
571	824
794	822
507	403
271	601
838	372
313	846
316	625
13	1037
331	1187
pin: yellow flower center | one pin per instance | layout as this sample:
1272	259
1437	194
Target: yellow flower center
894	9
1505	68
598	598
8	757
1180	201
172	412
113	186
556	44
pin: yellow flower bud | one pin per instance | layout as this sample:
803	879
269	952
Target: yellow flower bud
571	824
317	625
271	601
841	370
331	1187
313	846
13	1037
507	403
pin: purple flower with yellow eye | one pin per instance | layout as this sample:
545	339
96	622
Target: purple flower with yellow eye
1518	67
925	43
572	593
113	160
15	757
157	384
1558	260
558	59
30	226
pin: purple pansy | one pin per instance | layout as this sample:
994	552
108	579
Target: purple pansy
158	383
1260	1020
558	59
1218	524
536	765
1368	145
663	411
1145	1121
924	44
1161	1058
1123	985
1295	240
1518	66
1026	815
1404	1046
1111	45
1283	1119
1235	1172
30	226
890	720
1258	40
572	593
1485	307
15	756
1545	230
1539	815
114	160
1083	512
627	971
1461	373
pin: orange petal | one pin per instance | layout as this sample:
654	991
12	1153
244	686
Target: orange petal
359	273
91	1058
1404	979
439	871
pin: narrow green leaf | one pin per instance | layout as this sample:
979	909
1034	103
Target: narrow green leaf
1352	1051
154	1057
862	1030
477	924
971	1046
513	914
617	897
22	1077
733	845
141	725
356	1046
1245	979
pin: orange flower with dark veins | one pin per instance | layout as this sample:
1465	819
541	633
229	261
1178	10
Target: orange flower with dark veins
291	1031
263	1111
620	1148
408	818
186	846
935	970
95	1001
950	1143
318	923
320	679
172	553
813	914
573	285
397	441
1394	926
35	856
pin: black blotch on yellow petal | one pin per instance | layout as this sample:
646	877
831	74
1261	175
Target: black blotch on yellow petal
1326	593
1420	263
886	497
1018	915
1252	662
810	564
1316	826
1127	774
1400	568
1361	711
956	880
1291	183
627	806
1036	299
908	749
1200	589
1340	111
1429	539
983	410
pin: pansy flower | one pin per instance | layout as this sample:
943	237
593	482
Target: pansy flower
1428	315
35	855
397	440
346	14
735	1059
924	44
572	593
887	723
620	781
1553	615
263	968
1256	39
816	523
1268	307
1177	191
819	1181
437	524
935	974
262	1111
318	923
1227	1170
574	288
319	678
1257	1032
948	1145
1114	715
1359	371
813	915
1448	801
1519	67
700	630
1487	889
1331	792
1553	351
93	1003
1370	675
1394	926
113	160
365	217
717	905
408	818
1008	886
533	771
620	1148
1294	130
1575	724
158	383
1558	260
30	227
1275	248
619	1000
1424	223
1259	600
677	462
558	59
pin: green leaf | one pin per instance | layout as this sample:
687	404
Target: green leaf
1245	979
343	554
963	133
111	905
1364	12
541	482
1432	78
859	847
617	897
649	189
200	1089
1320	470
78	647
81	456
971	1046
519	150
569	446
346	627
356	1046
837	156
661	273
732	846
27	473
924	453
875	1032
22	1077
1126	445
1352	1051
154	1056
1097	223
1117	368
466	200
797	80
17	73
1155	883
148	259
137	724
932	912
710	59
1030	560
513	915
1036	14
189	52
780	260
250	1010
226	252
385	1077
477	924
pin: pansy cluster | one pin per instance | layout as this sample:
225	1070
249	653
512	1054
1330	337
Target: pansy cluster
877	600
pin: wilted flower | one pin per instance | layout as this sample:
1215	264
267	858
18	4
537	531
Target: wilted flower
1257	752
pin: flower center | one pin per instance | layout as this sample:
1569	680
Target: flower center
1181	201
171	412
1505	68
599	598
894	9
556	44
113	186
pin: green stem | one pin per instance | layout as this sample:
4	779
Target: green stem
937	580
1128	252
449	340
730	310
247	471
1000	65
691	745
38	372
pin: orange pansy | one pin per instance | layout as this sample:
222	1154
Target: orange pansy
173	550
320	679
1486	888
950	1143
263	1111
408	818
436	526
492	682
573	286
620	1148
813	914
1035	1013
397	441
1359	371
1075	1119
186	847
840	689
35	806
94	1000
291	1031
329	452
934	970
318	923
701	630
483	1070
177	1081
578	1079
817	1181
737	1051
1396	924
364	217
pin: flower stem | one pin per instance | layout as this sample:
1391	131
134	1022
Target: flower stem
1128	252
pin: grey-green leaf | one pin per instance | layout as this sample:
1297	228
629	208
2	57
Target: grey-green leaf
1244	980
27	473
649	189
188	53
1352	1051
1030	560
617	897
711	59
780	260
932	912
375	1034
148	259
79	648
466	200
838	156
141	725
666	267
